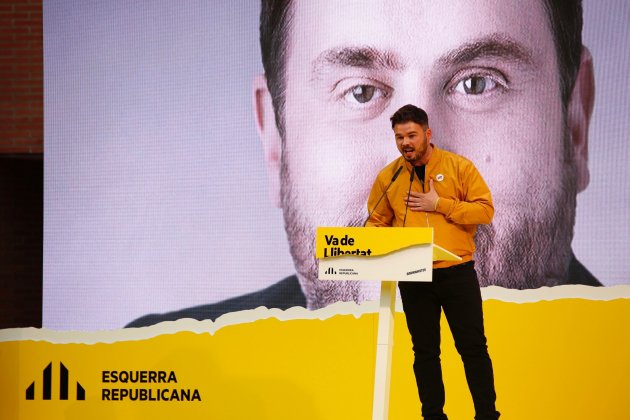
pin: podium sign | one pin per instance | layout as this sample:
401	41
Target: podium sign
376	254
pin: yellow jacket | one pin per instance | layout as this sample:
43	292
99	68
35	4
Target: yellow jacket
464	203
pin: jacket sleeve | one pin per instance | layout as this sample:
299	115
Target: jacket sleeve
475	207
383	214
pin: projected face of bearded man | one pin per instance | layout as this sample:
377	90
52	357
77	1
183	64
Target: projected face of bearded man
487	73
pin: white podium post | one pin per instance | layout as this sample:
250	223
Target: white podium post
384	349
374	254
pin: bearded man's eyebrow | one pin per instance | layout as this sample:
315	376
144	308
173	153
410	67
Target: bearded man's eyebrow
491	46
360	56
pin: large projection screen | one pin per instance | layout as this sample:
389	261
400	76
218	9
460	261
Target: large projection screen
157	194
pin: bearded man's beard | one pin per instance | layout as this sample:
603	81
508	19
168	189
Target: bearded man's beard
301	230
530	247
525	253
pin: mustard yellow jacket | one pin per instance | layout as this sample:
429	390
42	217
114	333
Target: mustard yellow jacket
464	203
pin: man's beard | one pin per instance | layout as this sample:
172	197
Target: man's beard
521	250
301	231
526	252
531	247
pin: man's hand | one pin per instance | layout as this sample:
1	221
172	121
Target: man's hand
423	202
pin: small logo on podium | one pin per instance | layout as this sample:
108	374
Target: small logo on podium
330	271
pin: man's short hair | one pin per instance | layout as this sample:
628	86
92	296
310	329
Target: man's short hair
565	19
275	25
410	113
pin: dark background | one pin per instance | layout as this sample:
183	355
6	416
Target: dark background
21	163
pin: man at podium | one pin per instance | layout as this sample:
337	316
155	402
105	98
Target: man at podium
431	187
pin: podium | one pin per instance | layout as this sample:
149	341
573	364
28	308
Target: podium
387	255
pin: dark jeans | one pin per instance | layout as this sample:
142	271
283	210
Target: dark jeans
456	290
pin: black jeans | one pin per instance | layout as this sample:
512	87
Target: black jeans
456	290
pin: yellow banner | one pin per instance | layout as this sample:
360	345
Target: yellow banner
368	241
562	359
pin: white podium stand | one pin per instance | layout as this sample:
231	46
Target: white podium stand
387	255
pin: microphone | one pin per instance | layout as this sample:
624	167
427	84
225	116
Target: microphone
383	195
413	172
